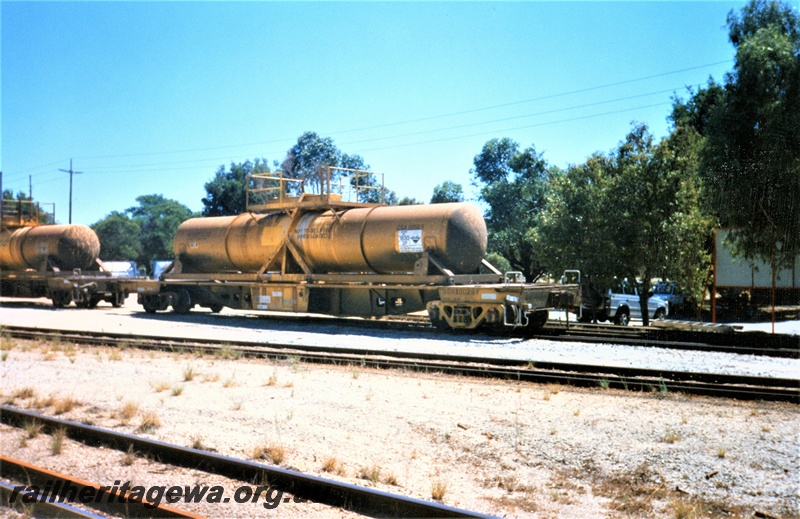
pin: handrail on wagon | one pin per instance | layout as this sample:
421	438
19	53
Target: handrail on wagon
333	186
25	213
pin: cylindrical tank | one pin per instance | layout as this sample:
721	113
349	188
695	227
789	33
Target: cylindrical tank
66	246
381	239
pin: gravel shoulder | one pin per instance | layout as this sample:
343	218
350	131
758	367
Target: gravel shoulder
506	448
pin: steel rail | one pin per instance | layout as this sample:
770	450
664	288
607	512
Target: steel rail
640	379
347	496
52	483
41	507
746	343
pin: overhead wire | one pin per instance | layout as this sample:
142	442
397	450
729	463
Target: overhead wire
174	165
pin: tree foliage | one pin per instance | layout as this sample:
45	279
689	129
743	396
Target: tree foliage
750	161
447	191
512	183
142	233
227	191
158	219
307	159
119	237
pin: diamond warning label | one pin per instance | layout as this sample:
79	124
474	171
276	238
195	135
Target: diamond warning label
409	240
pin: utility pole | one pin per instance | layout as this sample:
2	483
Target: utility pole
70	185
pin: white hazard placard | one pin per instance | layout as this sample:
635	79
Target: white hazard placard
409	240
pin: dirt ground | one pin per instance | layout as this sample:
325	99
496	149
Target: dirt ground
504	448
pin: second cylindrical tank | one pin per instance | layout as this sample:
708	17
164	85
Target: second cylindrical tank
66	247
381	239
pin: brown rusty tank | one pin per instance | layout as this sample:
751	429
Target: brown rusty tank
381	239
66	246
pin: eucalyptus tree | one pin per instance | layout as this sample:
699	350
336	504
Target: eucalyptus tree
512	183
751	157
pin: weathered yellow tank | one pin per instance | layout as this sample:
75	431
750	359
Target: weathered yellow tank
67	247
379	239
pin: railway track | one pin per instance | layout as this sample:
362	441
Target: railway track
635	379
367	501
750	343
46	500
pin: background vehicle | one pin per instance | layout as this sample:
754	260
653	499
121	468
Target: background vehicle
625	305
669	293
121	269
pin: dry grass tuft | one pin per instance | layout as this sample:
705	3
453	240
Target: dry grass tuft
161	385
150	422
274	452
129	457
57	441
333	465
371	473
24	393
129	410
197	443
189	373
33	428
438	489
65	405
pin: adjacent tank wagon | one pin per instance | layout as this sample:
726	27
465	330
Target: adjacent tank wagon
59	262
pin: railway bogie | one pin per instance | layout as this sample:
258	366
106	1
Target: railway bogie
512	305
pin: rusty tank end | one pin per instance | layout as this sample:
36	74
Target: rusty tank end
380	239
67	247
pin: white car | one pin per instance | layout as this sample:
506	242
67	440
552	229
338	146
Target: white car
625	305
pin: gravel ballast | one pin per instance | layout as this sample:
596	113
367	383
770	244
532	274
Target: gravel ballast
505	448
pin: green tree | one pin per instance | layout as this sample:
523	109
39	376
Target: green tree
373	194
447	191
158	218
512	183
750	160
574	231
307	159
226	192
407	201
119	237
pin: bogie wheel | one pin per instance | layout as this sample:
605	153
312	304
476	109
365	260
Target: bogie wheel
623	318
660	314
438	323
88	303
150	304
538	319
118	300
216	308
61	299
183	302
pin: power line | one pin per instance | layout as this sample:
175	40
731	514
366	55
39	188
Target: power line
421	119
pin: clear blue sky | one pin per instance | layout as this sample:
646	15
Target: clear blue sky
154	97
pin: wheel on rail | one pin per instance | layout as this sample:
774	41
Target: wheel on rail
61	299
623	318
118	299
538	319
89	303
183	302
436	319
150	304
215	308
